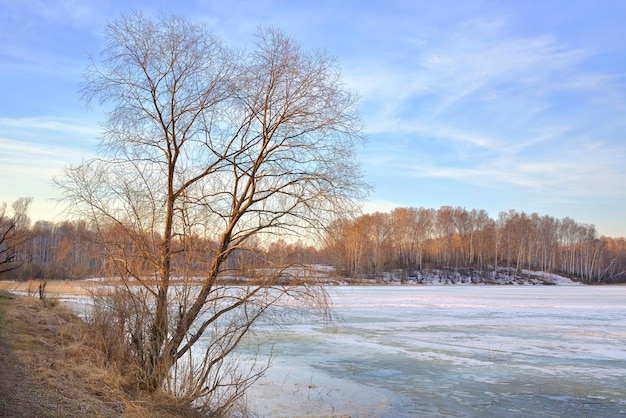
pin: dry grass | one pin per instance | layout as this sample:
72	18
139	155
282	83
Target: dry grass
49	355
53	287
70	287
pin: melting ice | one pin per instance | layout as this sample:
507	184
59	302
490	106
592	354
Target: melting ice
458	351
461	351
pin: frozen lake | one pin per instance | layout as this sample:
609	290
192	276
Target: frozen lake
454	351
458	351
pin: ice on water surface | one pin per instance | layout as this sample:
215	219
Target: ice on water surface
543	351
457	351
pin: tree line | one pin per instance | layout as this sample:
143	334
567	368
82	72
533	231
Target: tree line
409	239
74	250
413	239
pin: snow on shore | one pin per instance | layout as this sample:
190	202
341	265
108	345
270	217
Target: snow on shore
467	276
462	276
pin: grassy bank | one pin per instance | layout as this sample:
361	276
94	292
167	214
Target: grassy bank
53	287
50	367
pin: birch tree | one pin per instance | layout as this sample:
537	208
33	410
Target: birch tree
204	143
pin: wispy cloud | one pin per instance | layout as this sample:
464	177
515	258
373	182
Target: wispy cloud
466	65
379	206
517	98
42	146
583	169
65	11
486	105
27	170
29	159
34	150
64	126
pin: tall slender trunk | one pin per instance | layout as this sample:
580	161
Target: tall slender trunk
159	358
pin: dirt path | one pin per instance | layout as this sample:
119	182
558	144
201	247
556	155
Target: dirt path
18	396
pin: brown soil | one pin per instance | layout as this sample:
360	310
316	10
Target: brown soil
49	368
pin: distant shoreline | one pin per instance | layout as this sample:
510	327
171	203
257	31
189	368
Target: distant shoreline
434	277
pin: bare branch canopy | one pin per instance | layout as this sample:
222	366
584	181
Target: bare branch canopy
204	148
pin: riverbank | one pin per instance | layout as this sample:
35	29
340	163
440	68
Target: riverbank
429	277
50	367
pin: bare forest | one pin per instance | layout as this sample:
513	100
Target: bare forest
407	239
413	239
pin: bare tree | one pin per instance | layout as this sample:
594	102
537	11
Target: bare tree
205	149
14	233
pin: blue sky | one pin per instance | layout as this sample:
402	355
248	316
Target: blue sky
491	105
